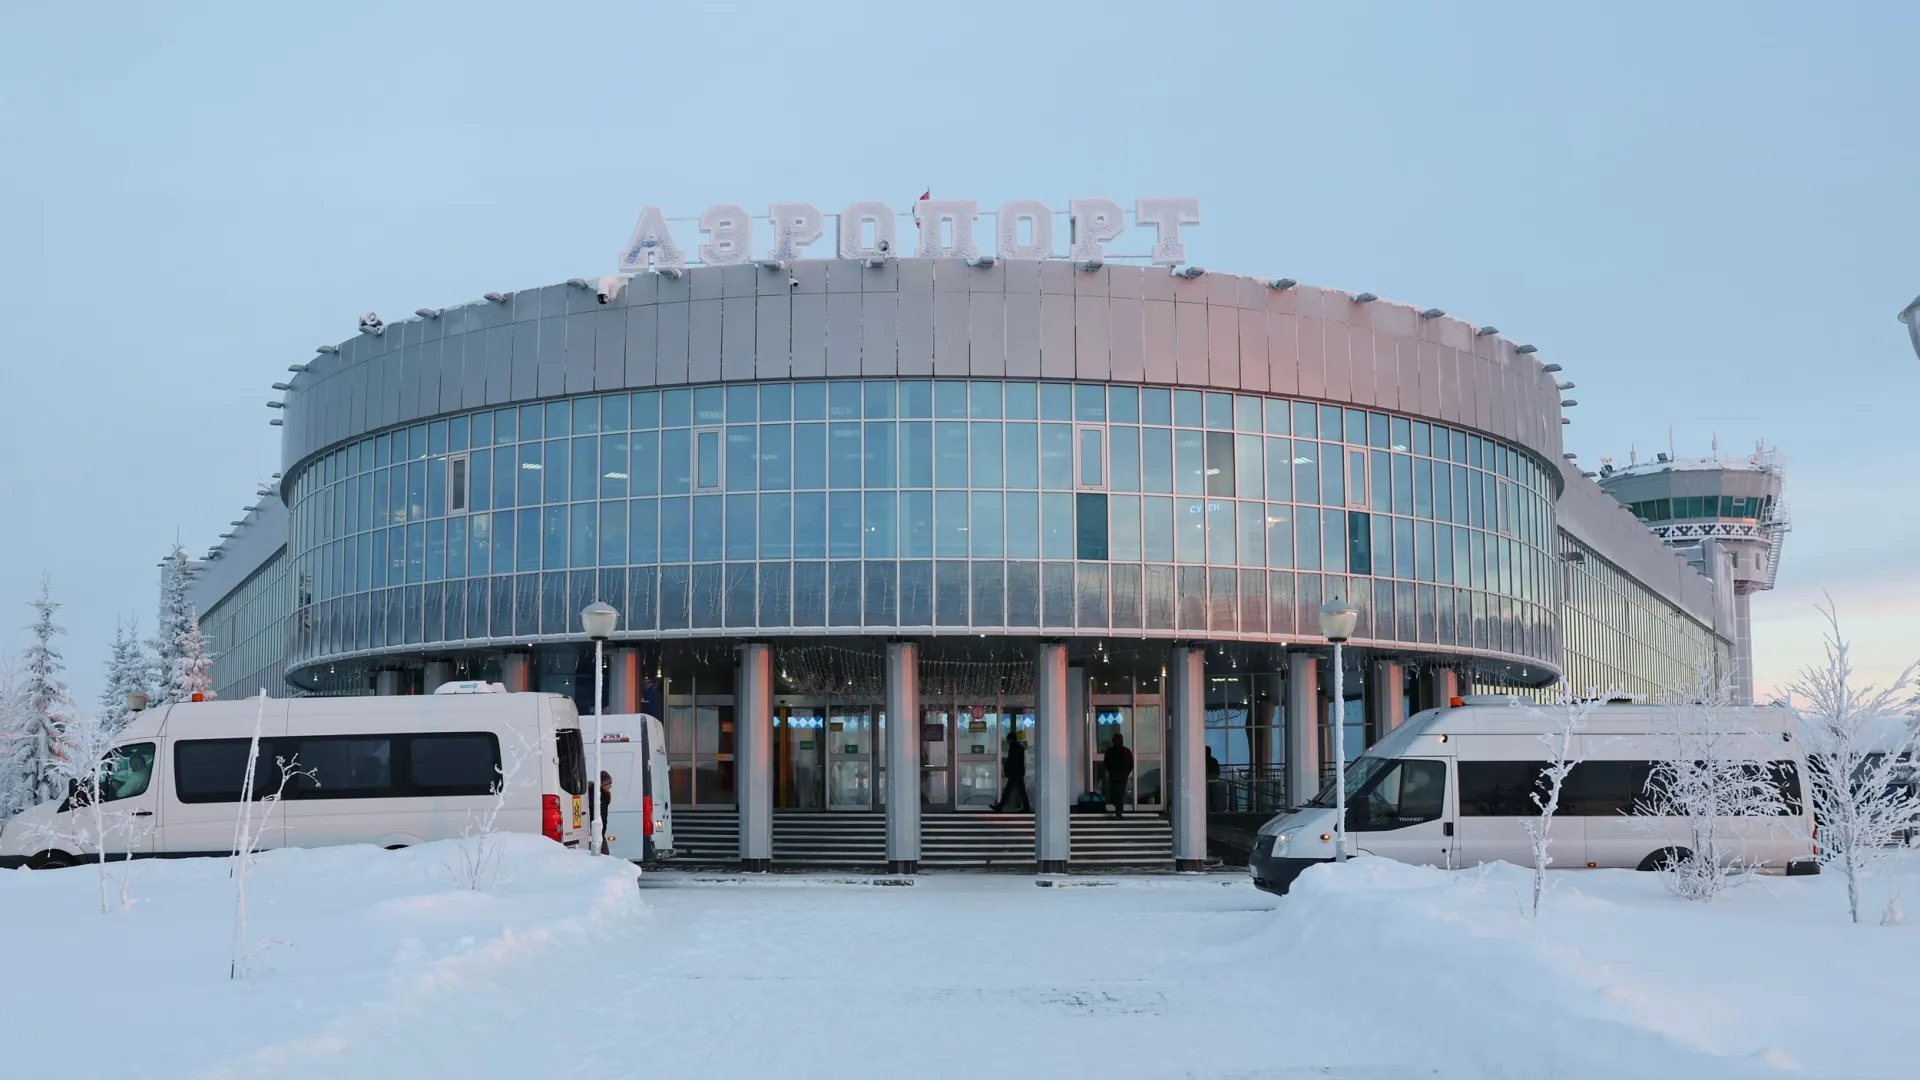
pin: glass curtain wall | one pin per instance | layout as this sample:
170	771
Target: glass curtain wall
886	504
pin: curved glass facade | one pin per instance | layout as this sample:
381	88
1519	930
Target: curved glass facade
875	506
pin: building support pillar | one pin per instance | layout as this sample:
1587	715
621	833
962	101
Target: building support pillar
1386	697
753	754
1303	727
903	757
1052	825
515	670
1438	687
1186	754
436	674
387	682
623	681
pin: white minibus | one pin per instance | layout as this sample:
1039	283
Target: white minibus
392	771
1453	787
640	810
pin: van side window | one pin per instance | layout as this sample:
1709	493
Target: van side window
341	767
215	770
1500	788
1592	789
459	764
1410	792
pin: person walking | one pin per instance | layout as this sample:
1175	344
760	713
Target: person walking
1117	763
1015	790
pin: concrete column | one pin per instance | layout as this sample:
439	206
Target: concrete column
1437	688
1077	761
1303	727
515	672
1052	825
1742	648
753	754
1187	755
623	682
386	682
903	757
1386	697
437	673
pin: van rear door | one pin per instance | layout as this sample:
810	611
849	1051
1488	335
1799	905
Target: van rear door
572	755
660	790
626	817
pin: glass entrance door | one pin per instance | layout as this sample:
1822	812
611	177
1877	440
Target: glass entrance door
976	750
849	745
1140	726
798	735
936	750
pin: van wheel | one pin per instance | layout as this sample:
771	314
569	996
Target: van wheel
1664	859
50	860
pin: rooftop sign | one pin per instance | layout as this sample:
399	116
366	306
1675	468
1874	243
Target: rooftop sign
868	231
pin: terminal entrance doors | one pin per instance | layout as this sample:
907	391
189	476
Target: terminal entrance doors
1141	724
825	757
850	772
963	752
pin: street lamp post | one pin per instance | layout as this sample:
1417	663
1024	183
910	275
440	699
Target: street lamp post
599	619
1337	619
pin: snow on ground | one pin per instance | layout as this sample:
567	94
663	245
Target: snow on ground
366	939
1371	972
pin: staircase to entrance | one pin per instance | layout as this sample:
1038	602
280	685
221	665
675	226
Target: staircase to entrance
818	840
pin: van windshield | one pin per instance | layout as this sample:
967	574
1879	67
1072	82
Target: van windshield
573	761
1359	774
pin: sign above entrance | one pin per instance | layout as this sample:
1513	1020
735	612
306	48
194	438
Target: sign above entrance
869	231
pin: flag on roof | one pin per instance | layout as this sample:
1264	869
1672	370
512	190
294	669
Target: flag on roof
925	195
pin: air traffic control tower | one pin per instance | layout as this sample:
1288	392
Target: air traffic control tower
1726	515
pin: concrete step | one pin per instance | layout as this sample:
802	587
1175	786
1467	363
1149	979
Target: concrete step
947	841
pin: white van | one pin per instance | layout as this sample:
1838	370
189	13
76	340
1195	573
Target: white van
1453	787
393	771
640	811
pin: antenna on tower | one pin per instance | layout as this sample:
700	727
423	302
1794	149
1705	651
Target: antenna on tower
1671	452
1633	454
1716	444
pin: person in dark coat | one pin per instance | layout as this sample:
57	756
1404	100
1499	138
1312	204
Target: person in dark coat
1118	766
1015	791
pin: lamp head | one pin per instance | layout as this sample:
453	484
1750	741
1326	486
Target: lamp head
599	618
1337	620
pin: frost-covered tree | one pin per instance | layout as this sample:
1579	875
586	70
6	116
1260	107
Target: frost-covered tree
44	705
1862	742
196	663
176	611
247	829
1566	721
19	778
128	671
1710	778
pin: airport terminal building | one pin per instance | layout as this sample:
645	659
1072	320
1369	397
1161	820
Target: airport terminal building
1061	498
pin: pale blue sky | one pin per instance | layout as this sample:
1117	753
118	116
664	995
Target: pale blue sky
1705	211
